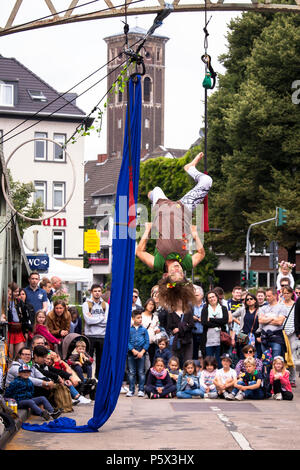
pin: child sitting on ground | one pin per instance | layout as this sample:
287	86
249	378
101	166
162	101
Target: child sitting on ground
174	369
54	363
188	383
163	351
225	377
21	389
81	361
280	381
248	384
159	383
208	376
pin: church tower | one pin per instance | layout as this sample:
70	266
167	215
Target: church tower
153	92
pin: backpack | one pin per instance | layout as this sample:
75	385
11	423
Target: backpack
90	304
62	398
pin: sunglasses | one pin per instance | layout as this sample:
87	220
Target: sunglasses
249	298
250	351
284	285
135	296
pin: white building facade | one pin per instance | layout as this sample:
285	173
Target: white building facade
30	110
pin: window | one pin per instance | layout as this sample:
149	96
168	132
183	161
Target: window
37	95
120	96
147	123
157	54
119	123
59	154
147	89
6	94
40	192
40	146
58	195
59	243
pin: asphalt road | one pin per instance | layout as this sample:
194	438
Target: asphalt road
173	424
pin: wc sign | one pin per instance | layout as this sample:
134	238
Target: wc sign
38	262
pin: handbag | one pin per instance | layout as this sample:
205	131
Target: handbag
225	338
242	338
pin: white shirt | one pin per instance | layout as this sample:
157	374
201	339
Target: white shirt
228	375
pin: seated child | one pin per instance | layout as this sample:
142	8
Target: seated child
188	383
248	384
40	328
159	383
248	351
163	351
225	377
54	363
81	361
280	381
208	376
21	389
174	369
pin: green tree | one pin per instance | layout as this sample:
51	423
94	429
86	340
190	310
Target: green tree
21	194
254	130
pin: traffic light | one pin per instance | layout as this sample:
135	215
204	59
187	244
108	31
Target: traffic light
282	216
252	278
243	278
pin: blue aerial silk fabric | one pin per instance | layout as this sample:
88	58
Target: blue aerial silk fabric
123	257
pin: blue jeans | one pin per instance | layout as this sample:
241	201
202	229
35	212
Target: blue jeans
196	392
73	391
216	352
33	403
136	366
213	393
257	394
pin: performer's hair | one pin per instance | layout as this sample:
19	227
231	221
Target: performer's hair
170	293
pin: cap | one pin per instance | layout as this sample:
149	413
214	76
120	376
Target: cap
24	368
226	356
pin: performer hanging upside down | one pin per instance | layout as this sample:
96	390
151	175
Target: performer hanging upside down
172	220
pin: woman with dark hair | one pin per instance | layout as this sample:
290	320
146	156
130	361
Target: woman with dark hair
214	319
59	320
249	324
18	321
179	297
29	306
150	321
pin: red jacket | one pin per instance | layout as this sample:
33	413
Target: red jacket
284	380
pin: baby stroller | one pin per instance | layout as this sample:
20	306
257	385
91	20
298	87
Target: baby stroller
68	345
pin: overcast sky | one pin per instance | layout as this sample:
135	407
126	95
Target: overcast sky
63	55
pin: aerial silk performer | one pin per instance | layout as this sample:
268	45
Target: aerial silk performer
123	252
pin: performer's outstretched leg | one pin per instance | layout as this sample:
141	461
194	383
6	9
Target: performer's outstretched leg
156	194
196	195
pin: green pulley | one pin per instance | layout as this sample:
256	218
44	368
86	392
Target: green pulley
207	81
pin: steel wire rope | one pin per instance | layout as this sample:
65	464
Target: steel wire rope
67	102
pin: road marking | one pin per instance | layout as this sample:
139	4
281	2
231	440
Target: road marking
237	436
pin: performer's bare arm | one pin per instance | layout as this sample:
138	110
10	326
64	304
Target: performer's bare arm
200	253
141	252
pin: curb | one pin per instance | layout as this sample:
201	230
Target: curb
13	427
